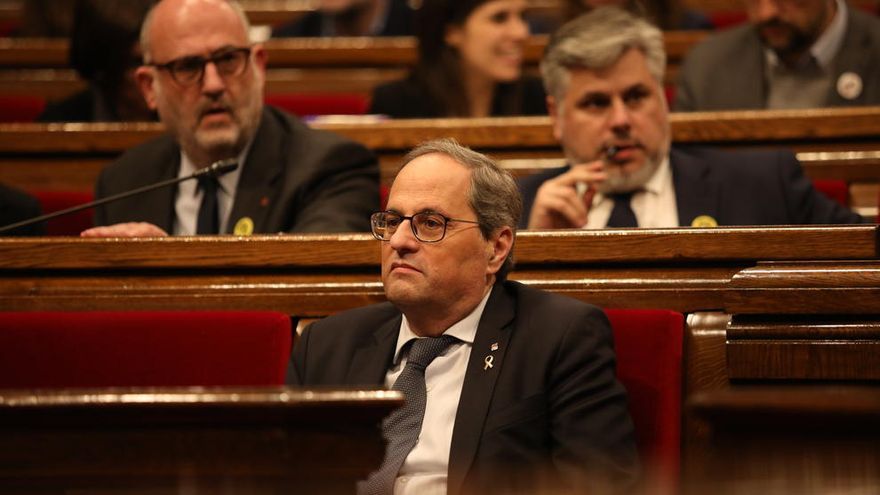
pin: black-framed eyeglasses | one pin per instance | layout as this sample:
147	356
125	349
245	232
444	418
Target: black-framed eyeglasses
427	226
229	61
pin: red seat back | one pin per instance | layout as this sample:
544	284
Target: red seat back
306	104
21	108
72	224
143	348
838	190
648	344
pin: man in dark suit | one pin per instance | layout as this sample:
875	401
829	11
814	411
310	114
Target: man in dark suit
523	397
792	54
604	73
206	81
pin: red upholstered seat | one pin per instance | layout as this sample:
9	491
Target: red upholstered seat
306	104
649	345
143	348
838	190
21	108
72	224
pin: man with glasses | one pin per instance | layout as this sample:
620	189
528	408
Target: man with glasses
509	389
206	81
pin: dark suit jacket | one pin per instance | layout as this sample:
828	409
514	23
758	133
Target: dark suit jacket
727	70
295	179
17	206
734	188
549	413
405	99
399	22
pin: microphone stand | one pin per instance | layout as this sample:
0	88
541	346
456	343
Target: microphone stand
216	169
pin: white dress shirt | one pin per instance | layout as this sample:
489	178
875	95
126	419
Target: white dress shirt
654	205
189	195
425	469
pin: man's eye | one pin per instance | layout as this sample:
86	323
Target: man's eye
594	103
432	223
392	222
635	96
190	64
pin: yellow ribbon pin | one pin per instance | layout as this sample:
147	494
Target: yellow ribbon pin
704	221
244	226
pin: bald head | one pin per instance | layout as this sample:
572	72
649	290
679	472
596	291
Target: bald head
168	18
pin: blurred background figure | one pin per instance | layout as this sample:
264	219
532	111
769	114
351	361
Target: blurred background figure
353	18
791	54
470	64
16	206
104	51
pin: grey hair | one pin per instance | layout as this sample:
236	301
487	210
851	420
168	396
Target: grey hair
596	40
148	21
493	194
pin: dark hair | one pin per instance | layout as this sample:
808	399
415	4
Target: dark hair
438	70
103	37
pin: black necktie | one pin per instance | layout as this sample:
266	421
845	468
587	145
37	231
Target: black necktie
209	211
402	427
622	215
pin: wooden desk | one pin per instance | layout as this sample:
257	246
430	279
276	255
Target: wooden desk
833	143
766	306
199	441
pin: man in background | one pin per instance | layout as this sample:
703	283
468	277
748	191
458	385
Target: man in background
604	78
206	81
792	54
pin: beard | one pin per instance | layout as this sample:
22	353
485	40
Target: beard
795	41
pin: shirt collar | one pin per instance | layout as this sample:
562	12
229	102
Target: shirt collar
828	44
464	330
228	182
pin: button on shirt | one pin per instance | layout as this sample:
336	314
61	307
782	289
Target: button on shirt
654	205
189	196
425	469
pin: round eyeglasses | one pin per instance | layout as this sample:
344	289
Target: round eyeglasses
427	226
186	71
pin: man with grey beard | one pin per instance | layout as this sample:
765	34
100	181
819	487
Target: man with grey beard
603	73
792	54
206	80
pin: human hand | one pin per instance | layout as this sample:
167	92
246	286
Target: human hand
564	201
127	229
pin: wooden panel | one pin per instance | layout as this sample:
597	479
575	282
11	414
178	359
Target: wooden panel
225	440
805	348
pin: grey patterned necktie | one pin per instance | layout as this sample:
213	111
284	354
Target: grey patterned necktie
402	427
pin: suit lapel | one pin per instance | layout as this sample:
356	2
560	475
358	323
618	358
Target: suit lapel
853	57
695	193
370	362
479	383
262	167
159	207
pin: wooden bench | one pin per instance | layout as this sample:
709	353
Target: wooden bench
833	144
780	307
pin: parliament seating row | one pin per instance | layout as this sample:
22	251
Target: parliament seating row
775	309
58	350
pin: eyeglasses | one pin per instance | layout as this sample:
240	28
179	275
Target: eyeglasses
427	226
186	71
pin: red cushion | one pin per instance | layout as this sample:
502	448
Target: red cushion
320	103
140	348
72	224
648	344
21	108
838	190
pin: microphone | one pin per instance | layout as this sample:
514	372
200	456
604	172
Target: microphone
216	169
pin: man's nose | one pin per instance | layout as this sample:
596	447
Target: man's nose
619	115
212	81
403	238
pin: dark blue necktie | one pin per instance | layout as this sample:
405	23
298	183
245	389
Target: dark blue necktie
209	210
402	427
622	215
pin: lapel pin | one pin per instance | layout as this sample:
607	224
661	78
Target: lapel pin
487	363
244	226
264	201
849	85
704	221
494	347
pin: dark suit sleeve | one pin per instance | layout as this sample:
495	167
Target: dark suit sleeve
296	368
345	193
590	425
17	206
805	204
